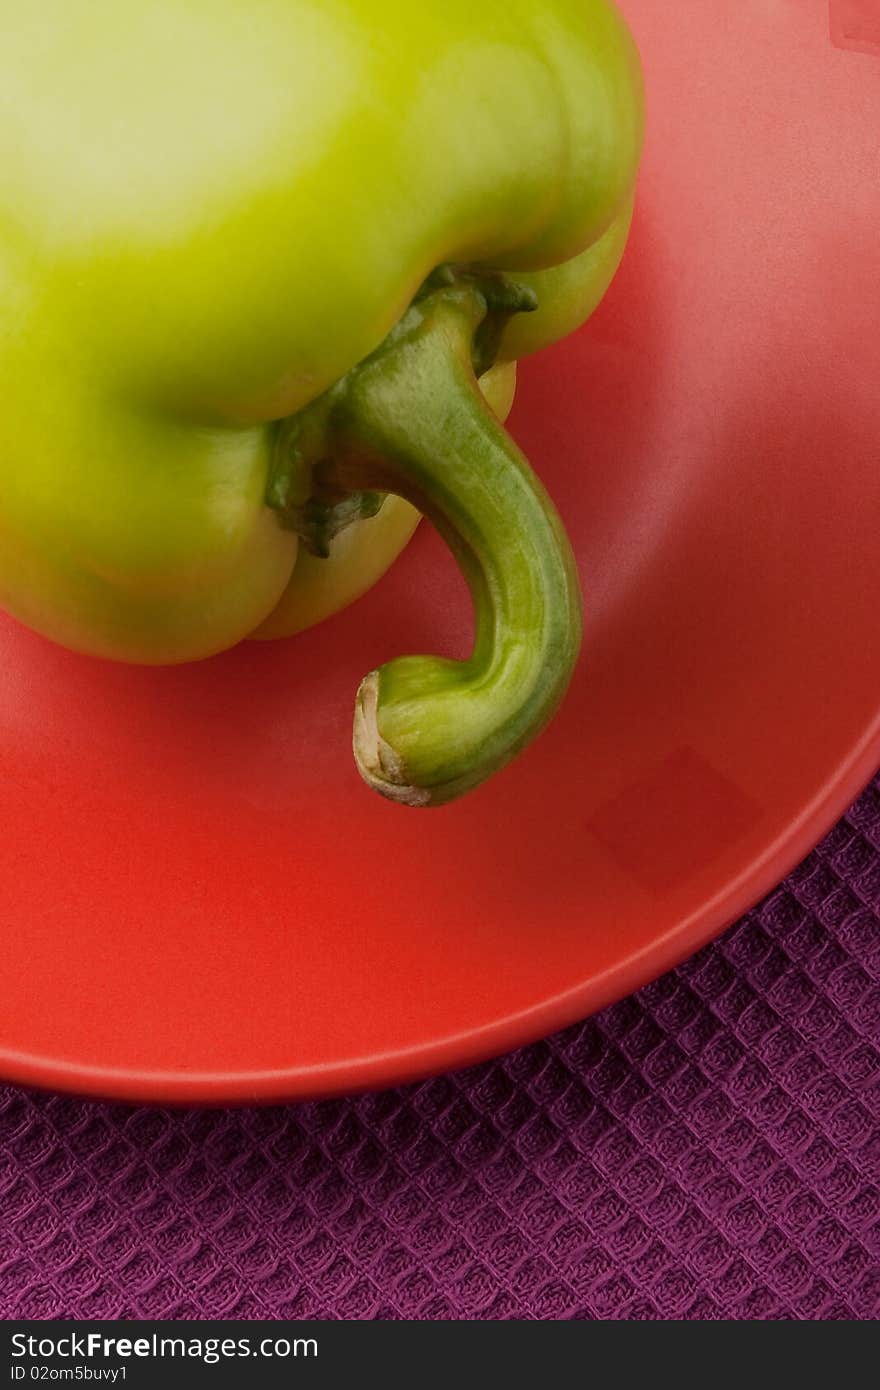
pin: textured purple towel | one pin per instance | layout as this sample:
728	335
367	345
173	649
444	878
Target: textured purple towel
708	1148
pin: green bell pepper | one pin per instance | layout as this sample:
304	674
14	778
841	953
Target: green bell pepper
255	256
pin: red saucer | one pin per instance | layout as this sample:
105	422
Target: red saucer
202	902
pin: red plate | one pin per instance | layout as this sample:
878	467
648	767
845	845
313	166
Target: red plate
202	902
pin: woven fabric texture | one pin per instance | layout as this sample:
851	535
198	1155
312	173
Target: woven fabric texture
708	1148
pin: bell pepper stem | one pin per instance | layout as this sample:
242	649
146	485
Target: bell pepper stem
411	420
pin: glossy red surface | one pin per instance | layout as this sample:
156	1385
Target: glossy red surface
200	899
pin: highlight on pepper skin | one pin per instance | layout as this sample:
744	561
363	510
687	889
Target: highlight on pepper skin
247	341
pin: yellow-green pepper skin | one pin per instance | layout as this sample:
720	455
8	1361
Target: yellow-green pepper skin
211	211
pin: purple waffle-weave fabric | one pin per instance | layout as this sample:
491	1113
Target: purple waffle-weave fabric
708	1148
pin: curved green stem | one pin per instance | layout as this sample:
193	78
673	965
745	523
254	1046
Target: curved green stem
410	419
